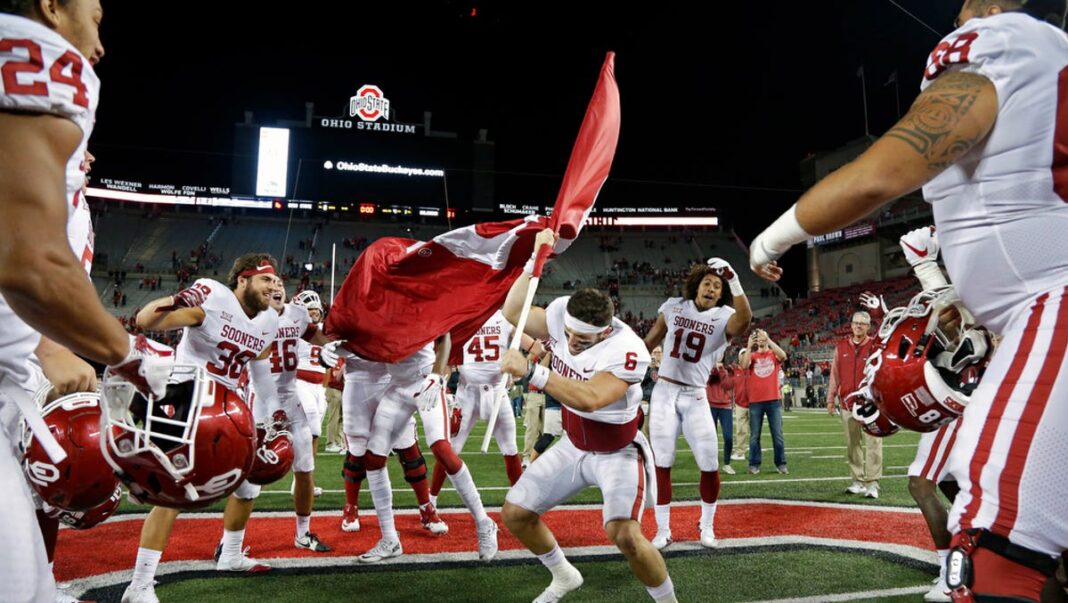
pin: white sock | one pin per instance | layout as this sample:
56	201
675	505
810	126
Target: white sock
665	593
555	561
708	513
434	500
943	554
145	567
663	517
382	495
465	487
231	543
303	525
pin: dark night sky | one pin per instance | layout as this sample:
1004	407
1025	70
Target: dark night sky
723	100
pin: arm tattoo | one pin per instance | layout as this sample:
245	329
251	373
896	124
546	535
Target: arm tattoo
934	126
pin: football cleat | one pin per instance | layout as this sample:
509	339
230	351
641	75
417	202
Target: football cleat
350	519
241	563
487	539
662	539
708	536
140	594
312	543
428	515
569	579
382	551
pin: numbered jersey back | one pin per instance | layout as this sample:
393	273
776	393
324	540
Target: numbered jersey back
695	340
482	353
227	339
1002	209
40	72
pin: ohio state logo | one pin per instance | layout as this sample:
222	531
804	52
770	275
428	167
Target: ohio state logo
369	104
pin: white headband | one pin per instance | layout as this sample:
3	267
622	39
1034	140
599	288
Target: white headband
582	328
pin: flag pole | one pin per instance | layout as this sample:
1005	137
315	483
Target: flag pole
517	337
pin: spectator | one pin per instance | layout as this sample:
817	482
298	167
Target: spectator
533	409
651	375
334	384
720	385
740	381
865	452
762	358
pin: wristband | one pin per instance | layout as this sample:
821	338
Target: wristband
539	376
784	233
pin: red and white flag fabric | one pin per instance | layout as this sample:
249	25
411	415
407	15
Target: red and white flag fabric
402	294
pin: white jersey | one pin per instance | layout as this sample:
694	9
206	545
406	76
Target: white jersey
1002	210
49	76
308	366
227	339
293	324
695	340
622	353
482	353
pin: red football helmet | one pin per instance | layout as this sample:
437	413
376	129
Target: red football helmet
456	415
871	420
83	520
185	450
84	479
274	454
929	361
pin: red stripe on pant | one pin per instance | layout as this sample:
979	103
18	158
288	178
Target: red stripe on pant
636	510
949	449
1019	450
933	453
1001	400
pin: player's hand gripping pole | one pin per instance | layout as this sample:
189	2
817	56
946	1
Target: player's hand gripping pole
541	254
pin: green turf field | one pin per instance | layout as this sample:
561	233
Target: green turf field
706	577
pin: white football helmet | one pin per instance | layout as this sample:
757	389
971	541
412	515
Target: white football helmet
309	299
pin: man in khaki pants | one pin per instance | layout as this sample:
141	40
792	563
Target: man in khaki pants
741	413
335	439
865	452
533	406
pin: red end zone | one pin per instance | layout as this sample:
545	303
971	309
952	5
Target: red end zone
112	546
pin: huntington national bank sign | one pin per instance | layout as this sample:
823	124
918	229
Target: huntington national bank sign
368	109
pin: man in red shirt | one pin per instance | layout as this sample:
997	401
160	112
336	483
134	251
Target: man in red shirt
762	358
847	370
719	388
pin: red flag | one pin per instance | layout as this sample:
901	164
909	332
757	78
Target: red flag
402	294
591	159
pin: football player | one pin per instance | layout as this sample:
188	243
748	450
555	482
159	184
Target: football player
598	364
47	116
224	327
695	330
985	140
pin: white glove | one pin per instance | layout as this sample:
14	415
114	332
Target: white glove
875	305
431	394
723	269
921	251
328	356
147	366
920	245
